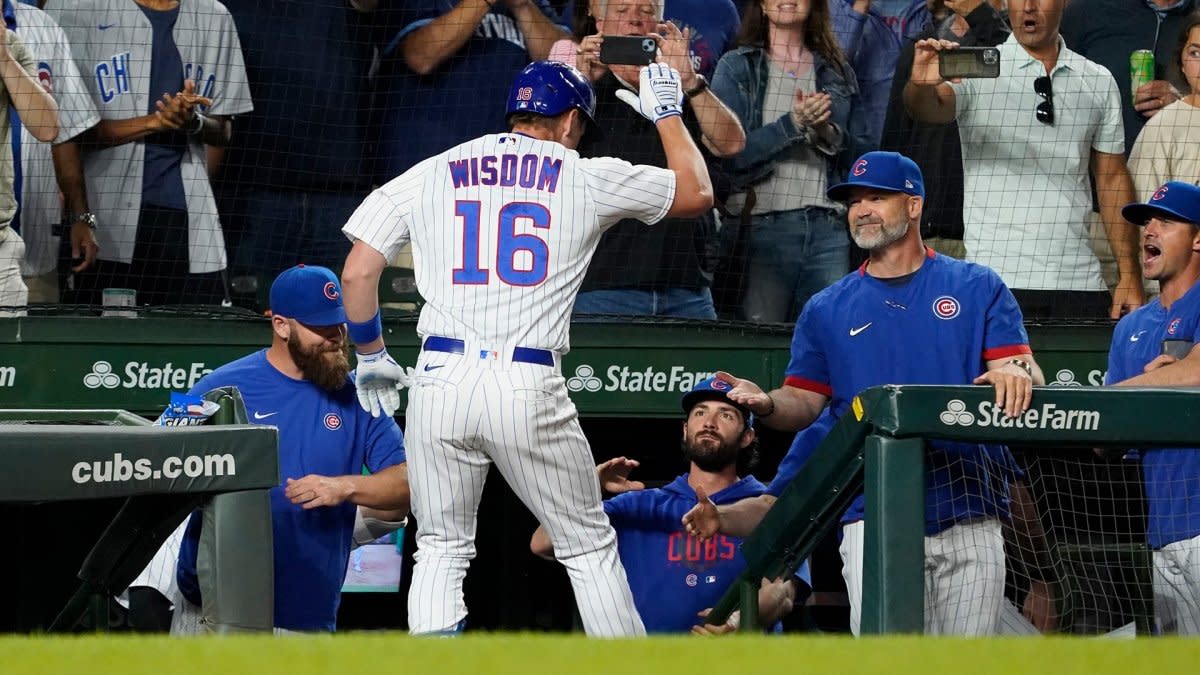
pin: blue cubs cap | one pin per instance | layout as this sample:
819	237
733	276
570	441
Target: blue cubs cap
1175	200
551	88
890	171
309	294
713	389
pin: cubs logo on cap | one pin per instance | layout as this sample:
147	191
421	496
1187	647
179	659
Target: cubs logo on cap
1175	200
714	389
309	294
889	171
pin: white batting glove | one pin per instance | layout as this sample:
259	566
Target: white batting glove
379	380
660	93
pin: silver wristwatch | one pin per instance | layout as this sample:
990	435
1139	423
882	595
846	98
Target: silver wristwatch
88	218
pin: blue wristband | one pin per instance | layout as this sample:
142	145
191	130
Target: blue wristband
366	332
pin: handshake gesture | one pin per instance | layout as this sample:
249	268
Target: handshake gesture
660	93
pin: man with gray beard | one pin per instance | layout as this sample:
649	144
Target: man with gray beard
301	385
907	316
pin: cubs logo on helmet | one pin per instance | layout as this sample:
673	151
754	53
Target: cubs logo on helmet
860	167
331	290
1160	193
550	88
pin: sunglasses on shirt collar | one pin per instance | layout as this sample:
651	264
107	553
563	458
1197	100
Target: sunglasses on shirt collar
1045	109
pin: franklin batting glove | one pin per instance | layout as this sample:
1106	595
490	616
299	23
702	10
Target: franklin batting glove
660	93
379	380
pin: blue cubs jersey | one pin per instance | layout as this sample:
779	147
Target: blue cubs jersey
1172	476
672	575
320	432
939	325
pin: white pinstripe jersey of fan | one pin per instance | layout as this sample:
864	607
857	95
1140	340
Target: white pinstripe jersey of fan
502	229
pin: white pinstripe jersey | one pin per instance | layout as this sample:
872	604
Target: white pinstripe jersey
56	71
502	230
112	41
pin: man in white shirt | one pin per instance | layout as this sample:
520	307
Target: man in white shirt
1029	138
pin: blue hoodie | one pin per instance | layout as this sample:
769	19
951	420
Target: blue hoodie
672	575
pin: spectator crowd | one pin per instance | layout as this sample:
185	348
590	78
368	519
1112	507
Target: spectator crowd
190	150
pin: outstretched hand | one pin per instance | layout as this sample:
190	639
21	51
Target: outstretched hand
704	520
705	628
659	95
614	476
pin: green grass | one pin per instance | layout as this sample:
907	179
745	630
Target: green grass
397	654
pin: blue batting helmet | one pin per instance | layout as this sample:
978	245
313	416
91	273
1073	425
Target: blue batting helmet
551	88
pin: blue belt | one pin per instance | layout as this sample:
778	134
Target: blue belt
541	357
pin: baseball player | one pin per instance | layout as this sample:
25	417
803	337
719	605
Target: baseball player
907	316
41	208
145	169
502	228
673	576
1154	347
300	385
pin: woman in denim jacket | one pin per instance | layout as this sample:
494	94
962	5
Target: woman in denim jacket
795	93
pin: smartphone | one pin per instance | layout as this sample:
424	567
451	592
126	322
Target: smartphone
630	50
1177	348
969	62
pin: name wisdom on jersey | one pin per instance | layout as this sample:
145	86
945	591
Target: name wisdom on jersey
530	171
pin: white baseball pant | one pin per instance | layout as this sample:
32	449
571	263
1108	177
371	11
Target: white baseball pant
964	577
467	411
1177	587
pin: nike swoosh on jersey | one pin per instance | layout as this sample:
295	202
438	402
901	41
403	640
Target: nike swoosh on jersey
261	416
1137	336
430	367
856	331
105	26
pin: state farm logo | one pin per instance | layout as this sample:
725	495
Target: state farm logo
1045	416
585	380
8	376
624	379
144	375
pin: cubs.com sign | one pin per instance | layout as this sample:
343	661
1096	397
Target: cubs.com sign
1046	416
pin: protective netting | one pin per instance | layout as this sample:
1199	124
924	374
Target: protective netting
330	98
1086	551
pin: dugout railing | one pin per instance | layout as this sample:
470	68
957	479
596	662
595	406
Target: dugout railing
879	447
164	473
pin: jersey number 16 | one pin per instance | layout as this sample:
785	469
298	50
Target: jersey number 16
509	244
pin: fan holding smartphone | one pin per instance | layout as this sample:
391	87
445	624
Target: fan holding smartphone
1032	139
